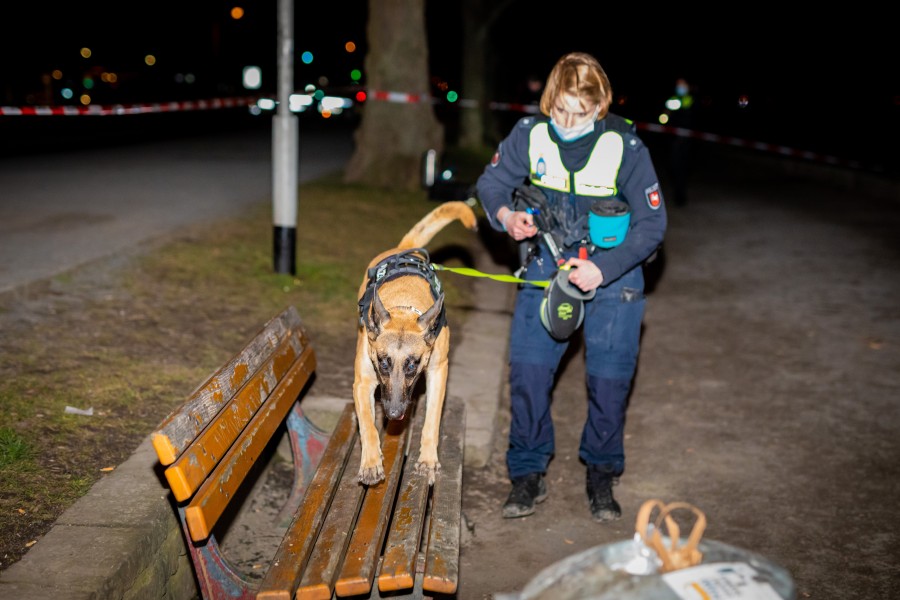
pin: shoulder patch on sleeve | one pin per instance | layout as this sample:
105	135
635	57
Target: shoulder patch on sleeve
654	196
495	159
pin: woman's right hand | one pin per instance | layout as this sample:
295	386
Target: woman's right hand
518	224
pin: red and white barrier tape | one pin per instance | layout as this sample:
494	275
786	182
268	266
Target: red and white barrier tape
406	98
127	109
678	131
762	146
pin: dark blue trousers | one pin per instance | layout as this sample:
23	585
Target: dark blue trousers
612	327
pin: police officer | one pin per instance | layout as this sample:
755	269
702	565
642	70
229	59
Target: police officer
679	112
575	155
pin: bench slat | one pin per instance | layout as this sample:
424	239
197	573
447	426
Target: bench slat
296	547
210	501
321	570
442	558
361	560
398	569
198	460
178	429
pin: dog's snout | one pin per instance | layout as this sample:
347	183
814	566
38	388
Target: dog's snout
395	411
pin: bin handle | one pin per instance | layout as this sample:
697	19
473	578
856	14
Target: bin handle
676	556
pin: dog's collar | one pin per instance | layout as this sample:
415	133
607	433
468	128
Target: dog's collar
414	261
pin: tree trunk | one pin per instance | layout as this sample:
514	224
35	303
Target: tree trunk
393	136
471	125
478	17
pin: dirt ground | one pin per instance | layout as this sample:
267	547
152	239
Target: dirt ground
766	395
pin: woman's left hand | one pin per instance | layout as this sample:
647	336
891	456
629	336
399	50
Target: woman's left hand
585	275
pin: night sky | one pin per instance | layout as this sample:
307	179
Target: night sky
812	75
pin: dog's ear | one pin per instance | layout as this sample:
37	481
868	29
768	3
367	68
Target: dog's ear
430	321
377	318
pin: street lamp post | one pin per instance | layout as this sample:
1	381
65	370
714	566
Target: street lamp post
285	149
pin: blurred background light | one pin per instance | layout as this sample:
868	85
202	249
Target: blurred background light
252	77
350	47
306	57
149	60
85	52
355	74
237	12
299	102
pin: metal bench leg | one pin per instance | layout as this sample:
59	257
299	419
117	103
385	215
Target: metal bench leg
307	445
218	581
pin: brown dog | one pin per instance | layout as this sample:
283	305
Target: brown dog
403	333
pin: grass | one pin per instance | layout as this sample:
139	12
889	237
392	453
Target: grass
131	337
15	452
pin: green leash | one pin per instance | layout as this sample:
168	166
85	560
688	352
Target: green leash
495	276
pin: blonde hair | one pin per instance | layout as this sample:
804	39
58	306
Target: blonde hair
580	75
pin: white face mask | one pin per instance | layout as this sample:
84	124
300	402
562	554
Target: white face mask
567	134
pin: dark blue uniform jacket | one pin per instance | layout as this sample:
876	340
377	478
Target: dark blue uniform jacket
637	185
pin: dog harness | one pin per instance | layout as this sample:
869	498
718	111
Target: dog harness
414	261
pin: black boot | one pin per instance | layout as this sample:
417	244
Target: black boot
526	491
599	492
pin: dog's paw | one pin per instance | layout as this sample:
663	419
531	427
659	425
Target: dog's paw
371	475
428	469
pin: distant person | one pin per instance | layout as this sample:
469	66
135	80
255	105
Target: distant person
534	87
592	178
679	112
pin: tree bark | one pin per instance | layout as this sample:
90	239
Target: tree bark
478	18
392	137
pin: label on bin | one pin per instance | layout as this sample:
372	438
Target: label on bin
720	581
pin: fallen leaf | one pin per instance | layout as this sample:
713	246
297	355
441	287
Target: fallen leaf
31	543
568	541
106	469
21	511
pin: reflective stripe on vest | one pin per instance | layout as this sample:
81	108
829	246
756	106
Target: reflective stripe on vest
597	178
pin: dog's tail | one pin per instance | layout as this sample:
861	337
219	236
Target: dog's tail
437	219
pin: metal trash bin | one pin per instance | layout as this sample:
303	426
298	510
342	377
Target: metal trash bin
611	572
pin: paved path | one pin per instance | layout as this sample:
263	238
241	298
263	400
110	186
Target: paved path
58	211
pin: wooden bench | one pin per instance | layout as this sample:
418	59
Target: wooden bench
342	536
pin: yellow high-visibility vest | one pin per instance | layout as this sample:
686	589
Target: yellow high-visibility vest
596	179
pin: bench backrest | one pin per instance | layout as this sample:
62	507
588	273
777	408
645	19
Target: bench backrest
213	439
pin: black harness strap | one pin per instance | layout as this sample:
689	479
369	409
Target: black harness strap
415	261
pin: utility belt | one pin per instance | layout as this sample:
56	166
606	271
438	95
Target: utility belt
601	230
